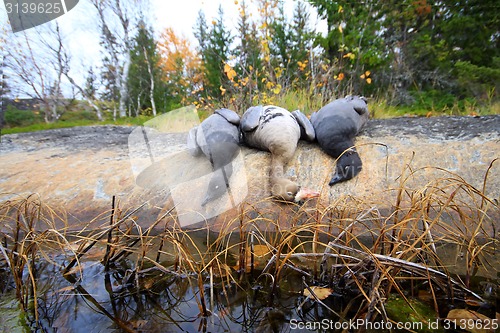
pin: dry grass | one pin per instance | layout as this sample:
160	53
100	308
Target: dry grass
359	251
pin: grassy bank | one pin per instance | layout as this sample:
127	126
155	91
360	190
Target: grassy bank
25	122
426	105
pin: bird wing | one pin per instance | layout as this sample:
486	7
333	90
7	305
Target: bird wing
251	118
306	128
193	147
229	115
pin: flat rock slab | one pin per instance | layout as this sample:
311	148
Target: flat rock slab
78	170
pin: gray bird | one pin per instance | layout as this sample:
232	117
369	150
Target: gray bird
336	125
278	131
217	137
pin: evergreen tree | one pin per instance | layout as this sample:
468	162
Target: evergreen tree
110	70
301	38
280	43
214	50
90	88
354	43
248	53
248	56
146	89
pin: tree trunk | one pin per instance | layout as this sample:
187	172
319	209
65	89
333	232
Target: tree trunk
152	87
123	87
87	98
2	91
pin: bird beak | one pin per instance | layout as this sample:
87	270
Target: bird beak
305	193
335	179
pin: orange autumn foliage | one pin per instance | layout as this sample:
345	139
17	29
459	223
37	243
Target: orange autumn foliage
180	63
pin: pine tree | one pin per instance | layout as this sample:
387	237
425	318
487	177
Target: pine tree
280	43
248	53
146	89
90	88
215	51
301	43
248	57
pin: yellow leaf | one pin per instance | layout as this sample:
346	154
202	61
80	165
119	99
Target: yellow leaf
350	55
341	9
260	250
367	73
278	72
214	22
362	76
231	74
341	77
369	80
223	91
244	81
340	28
227	68
320	292
277	90
250	67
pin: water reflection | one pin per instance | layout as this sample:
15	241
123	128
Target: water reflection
126	299
117	301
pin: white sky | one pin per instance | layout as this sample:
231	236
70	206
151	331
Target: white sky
183	17
83	39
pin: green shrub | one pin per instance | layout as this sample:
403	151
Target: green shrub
16	118
75	116
480	82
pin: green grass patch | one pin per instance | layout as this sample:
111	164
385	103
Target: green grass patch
77	118
301	100
427	104
426	108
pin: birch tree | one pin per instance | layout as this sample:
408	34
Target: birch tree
117	19
38	61
146	89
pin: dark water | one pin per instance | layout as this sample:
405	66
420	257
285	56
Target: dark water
92	300
163	303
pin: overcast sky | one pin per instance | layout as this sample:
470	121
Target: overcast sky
82	36
180	15
183	16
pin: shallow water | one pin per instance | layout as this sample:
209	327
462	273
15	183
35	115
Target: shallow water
93	300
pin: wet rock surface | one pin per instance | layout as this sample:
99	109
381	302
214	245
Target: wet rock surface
79	169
